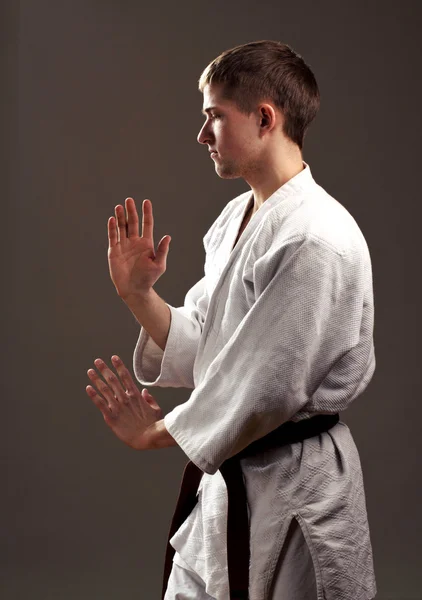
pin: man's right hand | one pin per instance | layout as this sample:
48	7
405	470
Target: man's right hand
134	265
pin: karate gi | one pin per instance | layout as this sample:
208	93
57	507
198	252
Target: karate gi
279	328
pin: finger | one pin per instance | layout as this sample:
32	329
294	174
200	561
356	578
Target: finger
162	250
132	218
113	381
124	375
121	222
99	401
150	399
147	221
112	232
106	392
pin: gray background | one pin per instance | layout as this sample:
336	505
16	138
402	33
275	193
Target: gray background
99	102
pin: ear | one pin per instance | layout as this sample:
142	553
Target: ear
267	116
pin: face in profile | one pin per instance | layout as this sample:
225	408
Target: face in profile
233	135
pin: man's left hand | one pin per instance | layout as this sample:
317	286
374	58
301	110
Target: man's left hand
126	410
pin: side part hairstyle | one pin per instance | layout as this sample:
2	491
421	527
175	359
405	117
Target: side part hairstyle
267	71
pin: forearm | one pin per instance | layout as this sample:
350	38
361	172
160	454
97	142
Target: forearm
159	437
153	314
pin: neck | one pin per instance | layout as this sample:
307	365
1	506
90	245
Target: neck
265	182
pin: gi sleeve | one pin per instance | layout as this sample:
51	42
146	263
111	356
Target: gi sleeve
304	327
173	367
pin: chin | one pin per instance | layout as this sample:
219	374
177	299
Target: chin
228	176
226	173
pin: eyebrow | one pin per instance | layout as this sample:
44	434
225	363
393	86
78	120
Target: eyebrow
210	108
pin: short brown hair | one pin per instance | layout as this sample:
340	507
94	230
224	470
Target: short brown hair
267	70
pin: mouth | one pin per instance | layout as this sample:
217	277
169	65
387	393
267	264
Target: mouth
213	153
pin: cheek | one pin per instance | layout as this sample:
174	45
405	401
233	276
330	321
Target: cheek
242	145
231	139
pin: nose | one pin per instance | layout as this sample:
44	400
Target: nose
203	135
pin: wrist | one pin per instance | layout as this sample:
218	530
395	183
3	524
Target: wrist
138	298
158	436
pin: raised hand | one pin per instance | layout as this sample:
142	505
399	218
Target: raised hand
127	411
133	263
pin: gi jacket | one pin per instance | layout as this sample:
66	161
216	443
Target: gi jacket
280	328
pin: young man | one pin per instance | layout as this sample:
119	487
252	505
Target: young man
276	338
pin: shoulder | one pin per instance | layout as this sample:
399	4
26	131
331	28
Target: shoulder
316	216
311	232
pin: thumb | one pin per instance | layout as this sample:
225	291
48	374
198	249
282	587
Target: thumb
163	248
150	399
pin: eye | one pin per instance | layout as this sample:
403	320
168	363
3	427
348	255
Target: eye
212	117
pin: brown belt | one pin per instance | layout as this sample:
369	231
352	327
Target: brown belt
238	550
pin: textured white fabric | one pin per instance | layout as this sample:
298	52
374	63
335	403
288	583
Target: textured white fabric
279	328
294	578
184	584
295	573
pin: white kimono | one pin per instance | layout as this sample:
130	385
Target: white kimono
279	329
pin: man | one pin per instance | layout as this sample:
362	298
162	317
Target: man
278	331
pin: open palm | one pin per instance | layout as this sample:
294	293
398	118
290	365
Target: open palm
133	263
